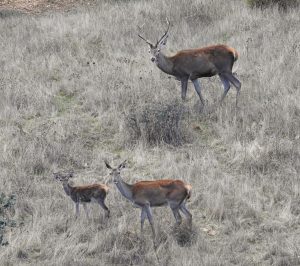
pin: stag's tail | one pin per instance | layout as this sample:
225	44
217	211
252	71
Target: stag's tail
188	191
234	53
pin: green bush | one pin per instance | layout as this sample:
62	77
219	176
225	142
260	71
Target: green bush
6	204
282	4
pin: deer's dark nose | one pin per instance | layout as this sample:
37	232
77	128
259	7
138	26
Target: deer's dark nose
152	59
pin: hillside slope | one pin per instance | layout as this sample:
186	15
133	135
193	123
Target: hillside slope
70	81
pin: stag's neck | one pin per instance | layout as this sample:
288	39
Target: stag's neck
124	188
67	188
165	64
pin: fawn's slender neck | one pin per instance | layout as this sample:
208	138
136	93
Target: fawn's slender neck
164	63
67	188
124	188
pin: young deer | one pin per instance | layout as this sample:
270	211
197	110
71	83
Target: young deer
84	194
196	63
147	194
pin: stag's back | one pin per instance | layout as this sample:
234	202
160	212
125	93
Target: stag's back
206	61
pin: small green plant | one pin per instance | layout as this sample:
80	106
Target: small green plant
282	4
6	204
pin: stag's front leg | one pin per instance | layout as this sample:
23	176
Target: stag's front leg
143	217
184	84
198	89
76	209
86	211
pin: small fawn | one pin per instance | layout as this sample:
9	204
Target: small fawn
84	194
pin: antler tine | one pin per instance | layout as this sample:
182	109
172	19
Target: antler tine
145	40
166	32
107	164
148	42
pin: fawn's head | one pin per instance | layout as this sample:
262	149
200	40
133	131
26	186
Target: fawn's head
115	172
154	49
63	177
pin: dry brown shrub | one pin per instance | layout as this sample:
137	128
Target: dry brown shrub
157	122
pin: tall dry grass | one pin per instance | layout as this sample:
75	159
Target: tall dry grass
68	82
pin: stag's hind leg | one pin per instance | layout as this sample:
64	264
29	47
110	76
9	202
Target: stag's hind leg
198	89
186	212
235	82
103	206
226	85
175	210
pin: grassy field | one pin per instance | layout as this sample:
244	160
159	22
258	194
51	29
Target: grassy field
69	83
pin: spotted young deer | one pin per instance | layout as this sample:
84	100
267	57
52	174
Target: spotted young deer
84	194
147	194
196	63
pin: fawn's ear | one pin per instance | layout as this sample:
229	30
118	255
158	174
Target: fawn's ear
122	165
107	165
56	175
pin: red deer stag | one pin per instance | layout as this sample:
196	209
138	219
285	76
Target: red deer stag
84	194
196	63
147	194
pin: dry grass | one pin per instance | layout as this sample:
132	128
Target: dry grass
67	82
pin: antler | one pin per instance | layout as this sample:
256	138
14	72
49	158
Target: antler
122	165
166	32
107	164
148	42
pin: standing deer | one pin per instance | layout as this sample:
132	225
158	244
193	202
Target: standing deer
192	64
84	194
147	194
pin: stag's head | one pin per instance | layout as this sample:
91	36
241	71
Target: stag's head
155	49
116	172
63	177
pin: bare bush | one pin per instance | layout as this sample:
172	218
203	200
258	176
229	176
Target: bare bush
282	4
6	204
157	122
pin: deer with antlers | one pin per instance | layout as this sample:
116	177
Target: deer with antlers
193	64
148	194
84	194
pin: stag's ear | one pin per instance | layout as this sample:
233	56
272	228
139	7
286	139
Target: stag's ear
163	42
70	173
55	175
107	165
122	165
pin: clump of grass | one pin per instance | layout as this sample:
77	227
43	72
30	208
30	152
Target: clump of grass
157	122
6	204
282	4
